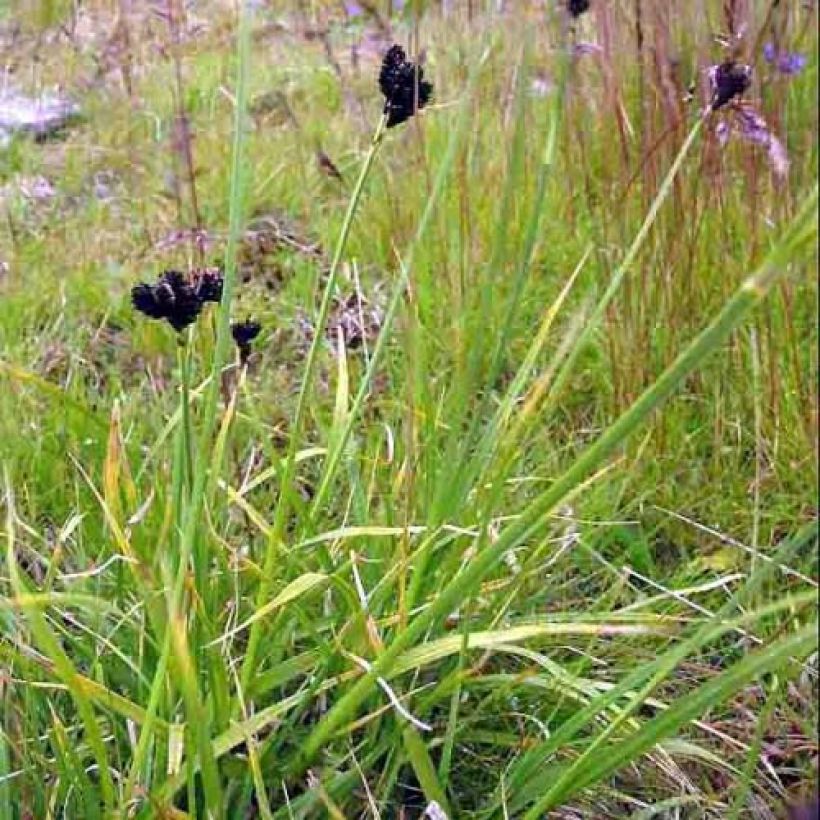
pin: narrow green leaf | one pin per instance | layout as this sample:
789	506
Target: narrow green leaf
423	767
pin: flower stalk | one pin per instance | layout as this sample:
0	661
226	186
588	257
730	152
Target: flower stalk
284	505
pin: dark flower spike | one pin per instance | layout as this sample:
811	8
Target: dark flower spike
145	301
208	283
577	7
729	80
243	334
171	298
403	85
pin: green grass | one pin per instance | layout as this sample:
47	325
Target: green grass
545	544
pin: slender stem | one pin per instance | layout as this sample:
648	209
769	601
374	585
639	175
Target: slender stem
203	469
283	507
631	254
467	470
406	266
184	362
147	730
183	127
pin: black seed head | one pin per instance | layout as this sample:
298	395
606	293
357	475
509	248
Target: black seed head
185	312
243	334
208	283
390	73
577	7
403	85
171	298
144	300
729	80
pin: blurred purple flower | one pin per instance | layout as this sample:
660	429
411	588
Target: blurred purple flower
353	9
745	123
752	126
789	63
583	48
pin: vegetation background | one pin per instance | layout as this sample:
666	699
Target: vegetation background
511	513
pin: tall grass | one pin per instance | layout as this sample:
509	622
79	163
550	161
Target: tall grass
516	556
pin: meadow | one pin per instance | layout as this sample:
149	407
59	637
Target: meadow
474	470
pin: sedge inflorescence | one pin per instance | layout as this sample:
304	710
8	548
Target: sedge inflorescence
244	334
728	80
178	298
577	7
403	85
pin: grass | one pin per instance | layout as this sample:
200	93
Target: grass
539	541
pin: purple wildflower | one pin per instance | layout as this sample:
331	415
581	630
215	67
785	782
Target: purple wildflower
752	126
583	48
353	9
745	123
723	132
789	63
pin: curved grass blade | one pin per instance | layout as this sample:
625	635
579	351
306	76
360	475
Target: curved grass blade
800	234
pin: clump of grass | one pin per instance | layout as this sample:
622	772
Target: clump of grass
537	548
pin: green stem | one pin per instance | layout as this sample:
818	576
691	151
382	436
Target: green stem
406	266
283	507
138	767
203	469
802	230
184	363
472	459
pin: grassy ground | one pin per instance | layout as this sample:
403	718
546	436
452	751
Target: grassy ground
509	550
